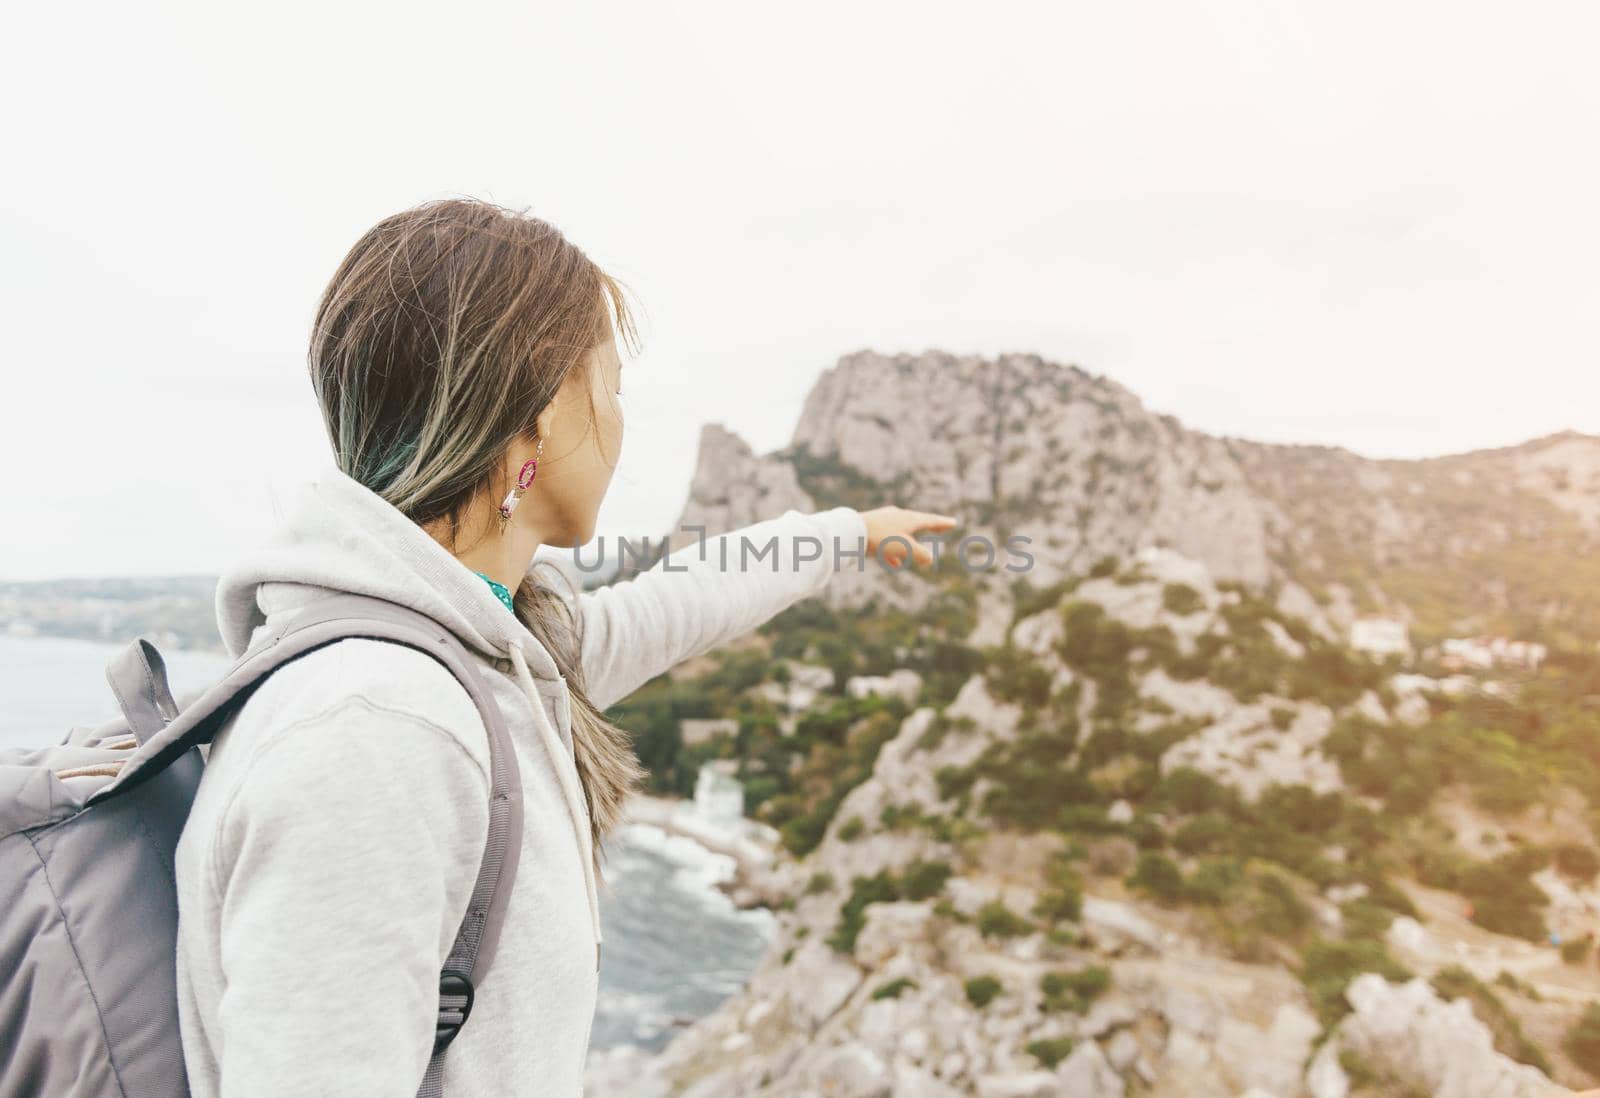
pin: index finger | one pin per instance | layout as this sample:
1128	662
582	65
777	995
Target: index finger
928	520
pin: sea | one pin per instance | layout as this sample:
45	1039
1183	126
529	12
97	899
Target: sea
676	947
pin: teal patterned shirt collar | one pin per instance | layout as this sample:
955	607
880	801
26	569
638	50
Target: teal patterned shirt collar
499	590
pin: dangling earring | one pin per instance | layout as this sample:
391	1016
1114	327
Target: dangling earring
524	478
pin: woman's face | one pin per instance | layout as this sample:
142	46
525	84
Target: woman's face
582	431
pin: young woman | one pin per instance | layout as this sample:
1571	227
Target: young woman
328	859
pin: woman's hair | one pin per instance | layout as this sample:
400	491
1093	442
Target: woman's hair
444	333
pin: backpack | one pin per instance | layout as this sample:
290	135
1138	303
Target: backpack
88	829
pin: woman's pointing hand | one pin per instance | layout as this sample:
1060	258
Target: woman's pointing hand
885	523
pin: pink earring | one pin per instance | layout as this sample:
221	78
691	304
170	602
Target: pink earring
525	475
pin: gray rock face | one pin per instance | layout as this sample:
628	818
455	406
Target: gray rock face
1022	446
822	980
733	487
1087	1074
1114	926
851	1071
1244	750
1015	444
1410	1035
1074	463
1032	1084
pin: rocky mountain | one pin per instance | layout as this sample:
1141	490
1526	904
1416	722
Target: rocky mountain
1492	540
1140	821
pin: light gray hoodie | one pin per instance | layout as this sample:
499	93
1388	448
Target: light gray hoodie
331	849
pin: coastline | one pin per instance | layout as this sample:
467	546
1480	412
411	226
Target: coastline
686	941
753	847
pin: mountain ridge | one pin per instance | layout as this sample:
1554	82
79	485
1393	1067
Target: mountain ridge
1017	442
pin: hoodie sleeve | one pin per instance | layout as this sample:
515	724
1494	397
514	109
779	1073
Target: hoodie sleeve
343	865
707	594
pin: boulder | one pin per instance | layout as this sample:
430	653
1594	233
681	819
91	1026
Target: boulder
1406	1033
1032	1084
1087	1074
850	1071
820	981
1114	926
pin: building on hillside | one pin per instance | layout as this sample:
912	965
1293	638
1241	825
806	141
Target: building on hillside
803	684
902	683
718	795
1380	637
694	731
1486	653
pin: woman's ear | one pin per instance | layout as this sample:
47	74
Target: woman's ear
544	423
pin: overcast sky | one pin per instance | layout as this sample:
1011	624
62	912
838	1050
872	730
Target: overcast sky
1372	225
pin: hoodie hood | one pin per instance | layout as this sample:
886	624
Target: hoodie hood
339	534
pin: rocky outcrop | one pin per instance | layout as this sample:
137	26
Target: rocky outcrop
1180	1024
733	487
1019	445
1077	465
1405	1035
1210	642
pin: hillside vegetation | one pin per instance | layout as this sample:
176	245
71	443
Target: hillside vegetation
1141	822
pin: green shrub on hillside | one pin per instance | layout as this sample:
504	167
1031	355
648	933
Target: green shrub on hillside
864	891
924	880
1333	675
1577	861
1329	966
1028	600
894	988
1278	910
1062	898
1215	882
1050	1051
981	990
1363	919
1508	750
1455	982
1204	833
801	835
1158	876
1185	789
1181	599
1030	778
1074	991
843	743
921	880
1504	899
1583	1040
1014	675
996	920
1099	647
1087	819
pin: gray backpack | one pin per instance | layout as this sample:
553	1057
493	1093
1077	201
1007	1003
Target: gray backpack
88	828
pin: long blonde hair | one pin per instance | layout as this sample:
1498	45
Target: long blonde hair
444	333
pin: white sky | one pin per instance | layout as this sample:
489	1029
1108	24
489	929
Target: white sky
1369	224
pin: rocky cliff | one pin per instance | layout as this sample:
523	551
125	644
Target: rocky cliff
1497	539
1142	823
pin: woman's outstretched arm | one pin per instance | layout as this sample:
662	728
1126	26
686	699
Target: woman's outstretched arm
707	594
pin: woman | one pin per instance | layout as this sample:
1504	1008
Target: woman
329	856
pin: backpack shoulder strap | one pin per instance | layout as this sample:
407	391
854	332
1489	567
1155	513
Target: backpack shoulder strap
139	680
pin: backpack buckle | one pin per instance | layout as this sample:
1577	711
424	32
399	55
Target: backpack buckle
455	1003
